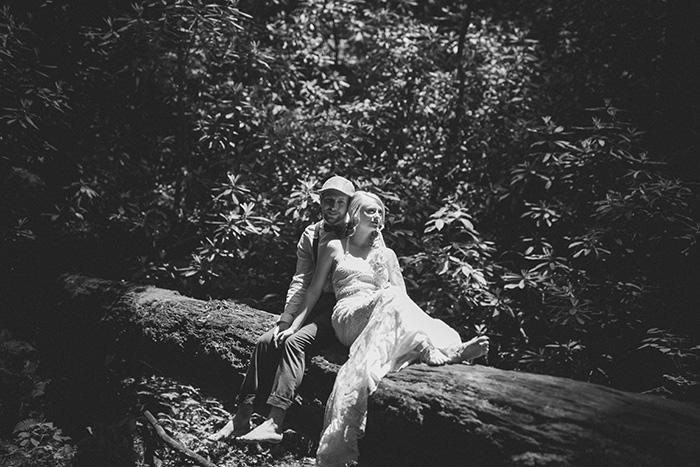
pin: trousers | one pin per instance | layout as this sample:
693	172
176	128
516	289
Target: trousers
275	373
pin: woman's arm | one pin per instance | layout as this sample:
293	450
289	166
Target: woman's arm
392	264
326	256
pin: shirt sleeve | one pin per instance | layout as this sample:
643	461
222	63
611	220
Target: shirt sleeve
302	276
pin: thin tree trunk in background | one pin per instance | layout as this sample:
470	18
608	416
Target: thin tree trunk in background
454	139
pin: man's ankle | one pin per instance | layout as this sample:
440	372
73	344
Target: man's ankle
277	415
244	410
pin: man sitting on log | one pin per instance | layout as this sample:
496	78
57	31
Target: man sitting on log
276	369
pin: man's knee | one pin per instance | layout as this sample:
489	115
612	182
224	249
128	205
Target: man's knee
298	342
265	341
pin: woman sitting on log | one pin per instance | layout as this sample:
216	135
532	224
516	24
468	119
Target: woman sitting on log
373	315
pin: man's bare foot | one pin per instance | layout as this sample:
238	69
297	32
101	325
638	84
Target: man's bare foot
433	356
473	348
266	432
231	430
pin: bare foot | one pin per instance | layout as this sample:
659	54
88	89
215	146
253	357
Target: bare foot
232	430
473	348
433	356
266	432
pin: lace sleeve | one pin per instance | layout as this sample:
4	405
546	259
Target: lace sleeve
395	276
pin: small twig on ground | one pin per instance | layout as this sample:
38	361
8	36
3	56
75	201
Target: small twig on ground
178	446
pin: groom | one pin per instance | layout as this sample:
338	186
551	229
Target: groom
276	370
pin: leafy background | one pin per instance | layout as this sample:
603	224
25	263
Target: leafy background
539	160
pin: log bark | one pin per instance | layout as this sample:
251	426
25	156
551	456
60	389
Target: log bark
447	416
462	415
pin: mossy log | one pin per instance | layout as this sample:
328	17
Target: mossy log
455	415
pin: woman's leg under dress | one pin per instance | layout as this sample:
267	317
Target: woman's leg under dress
391	339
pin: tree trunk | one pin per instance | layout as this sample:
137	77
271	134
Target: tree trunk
455	415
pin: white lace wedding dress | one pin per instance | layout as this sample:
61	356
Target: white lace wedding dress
384	328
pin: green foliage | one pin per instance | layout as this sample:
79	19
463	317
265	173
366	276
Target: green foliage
195	134
35	441
21	385
600	219
38	443
676	347
35	433
455	270
32	108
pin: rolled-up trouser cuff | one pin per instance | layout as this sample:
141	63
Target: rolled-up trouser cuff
279	402
274	373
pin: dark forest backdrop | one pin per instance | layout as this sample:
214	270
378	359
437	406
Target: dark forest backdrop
538	158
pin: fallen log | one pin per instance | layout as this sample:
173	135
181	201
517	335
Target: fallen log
448	416
461	415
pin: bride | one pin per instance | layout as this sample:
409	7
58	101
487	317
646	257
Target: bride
373	315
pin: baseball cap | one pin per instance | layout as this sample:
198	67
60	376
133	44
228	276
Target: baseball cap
340	184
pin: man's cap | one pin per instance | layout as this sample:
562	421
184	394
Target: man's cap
340	184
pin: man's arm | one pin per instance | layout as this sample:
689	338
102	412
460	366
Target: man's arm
327	255
302	276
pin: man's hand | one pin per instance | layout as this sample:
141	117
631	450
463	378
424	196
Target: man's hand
277	330
284	334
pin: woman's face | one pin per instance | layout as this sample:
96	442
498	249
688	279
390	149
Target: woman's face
372	215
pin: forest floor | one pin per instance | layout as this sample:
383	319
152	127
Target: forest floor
186	416
189	417
123	436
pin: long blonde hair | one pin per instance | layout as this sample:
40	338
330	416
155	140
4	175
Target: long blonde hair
357	202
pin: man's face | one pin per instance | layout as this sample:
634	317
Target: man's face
334	206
